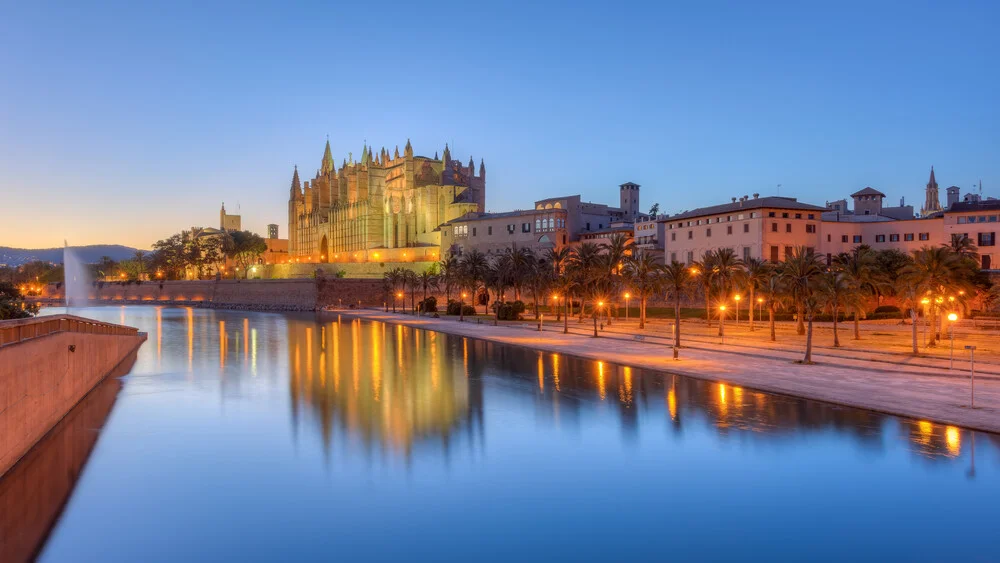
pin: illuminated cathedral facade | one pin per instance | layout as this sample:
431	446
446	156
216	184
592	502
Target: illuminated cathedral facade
384	207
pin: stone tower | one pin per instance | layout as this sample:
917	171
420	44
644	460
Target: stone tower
953	195
629	193
933	202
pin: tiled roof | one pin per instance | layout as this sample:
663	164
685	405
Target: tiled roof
867	191
775	202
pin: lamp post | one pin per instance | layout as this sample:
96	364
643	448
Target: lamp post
760	308
461	308
397	296
925	302
597	311
952	317
722	323
627	295
737	297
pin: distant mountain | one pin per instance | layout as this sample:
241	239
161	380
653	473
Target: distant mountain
89	254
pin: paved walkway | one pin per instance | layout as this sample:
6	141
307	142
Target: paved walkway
916	391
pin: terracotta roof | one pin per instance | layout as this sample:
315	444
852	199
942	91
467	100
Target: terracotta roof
868	191
774	202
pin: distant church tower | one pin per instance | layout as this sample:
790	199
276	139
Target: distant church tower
933	203
629	199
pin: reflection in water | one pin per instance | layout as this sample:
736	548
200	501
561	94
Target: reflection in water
397	396
34	492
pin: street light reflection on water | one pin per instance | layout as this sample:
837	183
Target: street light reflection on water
289	436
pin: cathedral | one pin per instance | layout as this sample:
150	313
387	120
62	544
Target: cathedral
383	208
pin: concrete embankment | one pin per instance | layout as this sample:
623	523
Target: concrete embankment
923	393
47	365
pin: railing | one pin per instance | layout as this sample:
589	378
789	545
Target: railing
12	332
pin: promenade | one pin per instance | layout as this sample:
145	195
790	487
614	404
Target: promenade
883	380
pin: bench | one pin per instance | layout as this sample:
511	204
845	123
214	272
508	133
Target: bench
639	338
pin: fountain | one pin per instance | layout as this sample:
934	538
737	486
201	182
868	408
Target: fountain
76	278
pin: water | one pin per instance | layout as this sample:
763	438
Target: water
248	436
76	278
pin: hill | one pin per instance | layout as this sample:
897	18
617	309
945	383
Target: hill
89	254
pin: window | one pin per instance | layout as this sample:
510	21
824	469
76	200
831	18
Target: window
588	225
908	237
843	238
708	232
788	252
987	263
729	229
829	238
690	235
538	224
746	227
473	231
746	252
525	227
770	213
798	215
729	218
774	253
784	215
829	258
812	216
753	214
981	219
961	220
810	228
510	229
690	257
788	227
857	239
461	230
673	257
774	227
987	239
673	236
893	238
879	238
489	230
925	236
993	219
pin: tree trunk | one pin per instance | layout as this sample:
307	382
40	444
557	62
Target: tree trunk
708	310
751	308
770	321
809	343
913	317
800	328
932	327
677	321
642	312
857	326
836	338
566	316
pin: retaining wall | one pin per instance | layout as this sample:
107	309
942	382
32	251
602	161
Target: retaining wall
42	378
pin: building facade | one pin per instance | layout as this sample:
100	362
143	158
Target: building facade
385	207
229	222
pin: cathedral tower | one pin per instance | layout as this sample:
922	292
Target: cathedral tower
933	202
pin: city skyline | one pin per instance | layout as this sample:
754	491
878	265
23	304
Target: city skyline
140	143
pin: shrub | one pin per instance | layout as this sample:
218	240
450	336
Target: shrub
429	305
887	309
453	308
509	311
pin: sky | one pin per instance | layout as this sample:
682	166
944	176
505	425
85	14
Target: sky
123	123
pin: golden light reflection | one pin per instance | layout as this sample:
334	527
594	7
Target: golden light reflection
541	374
555	371
672	403
222	344
253	352
953	440
159	334
246	338
190	337
625	389
600	381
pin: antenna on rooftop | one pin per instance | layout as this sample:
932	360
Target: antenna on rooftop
779	190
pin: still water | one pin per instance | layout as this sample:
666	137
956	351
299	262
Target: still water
253	436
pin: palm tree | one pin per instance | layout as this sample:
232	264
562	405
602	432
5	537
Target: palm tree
643	274
911	290
800	273
772	291
836	290
939	271
705	270
677	278
727	270
755	274
583	265
963	246
861	268
539	278
474	267
428	279
565	285
616	250
410	277
558	259
449	275
392	279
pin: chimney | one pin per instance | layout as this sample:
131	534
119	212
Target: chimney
756	195
734	200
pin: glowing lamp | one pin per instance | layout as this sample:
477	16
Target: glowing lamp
722	307
737	298
627	295
952	317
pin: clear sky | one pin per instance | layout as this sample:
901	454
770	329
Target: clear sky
127	122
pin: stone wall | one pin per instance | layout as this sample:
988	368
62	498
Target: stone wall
365	270
42	378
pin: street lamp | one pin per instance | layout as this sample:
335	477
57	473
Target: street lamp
722	322
600	305
737	297
627	295
952	317
925	302
461	308
760	308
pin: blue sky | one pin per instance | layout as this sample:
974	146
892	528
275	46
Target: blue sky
126	122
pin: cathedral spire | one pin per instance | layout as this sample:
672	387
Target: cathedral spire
296	188
446	157
408	151
396	154
932	181
482	167
472	165
328	164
